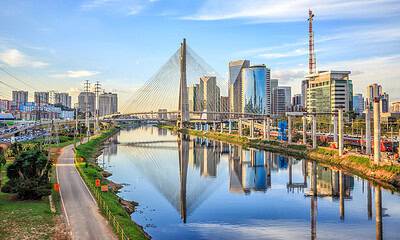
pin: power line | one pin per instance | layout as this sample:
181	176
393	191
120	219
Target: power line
16	78
8	85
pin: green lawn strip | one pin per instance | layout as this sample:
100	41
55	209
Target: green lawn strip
24	219
90	172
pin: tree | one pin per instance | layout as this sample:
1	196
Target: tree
28	175
2	163
14	149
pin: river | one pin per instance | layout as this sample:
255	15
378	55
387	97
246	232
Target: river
196	188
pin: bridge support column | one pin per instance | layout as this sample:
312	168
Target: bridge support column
252	128
305	130
207	127
314	131
222	127
264	128
230	126
341	132
240	127
368	144
377	131
335	128
214	126
289	118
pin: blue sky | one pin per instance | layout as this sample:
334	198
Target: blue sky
57	44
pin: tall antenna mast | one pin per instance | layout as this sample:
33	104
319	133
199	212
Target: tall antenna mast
311	56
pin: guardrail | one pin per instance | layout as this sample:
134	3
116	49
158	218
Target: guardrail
111	218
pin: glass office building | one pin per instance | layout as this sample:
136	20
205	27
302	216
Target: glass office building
254	99
235	84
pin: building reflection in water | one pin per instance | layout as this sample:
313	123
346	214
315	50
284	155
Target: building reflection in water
250	171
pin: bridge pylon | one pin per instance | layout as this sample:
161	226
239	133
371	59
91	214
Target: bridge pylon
183	113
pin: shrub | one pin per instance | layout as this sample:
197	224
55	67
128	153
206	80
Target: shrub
28	175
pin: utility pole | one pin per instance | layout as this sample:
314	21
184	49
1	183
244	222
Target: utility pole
76	124
97	91
86	89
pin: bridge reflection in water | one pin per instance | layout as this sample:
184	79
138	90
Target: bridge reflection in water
250	171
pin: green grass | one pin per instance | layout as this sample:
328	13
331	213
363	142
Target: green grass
360	160
365	161
24	219
327	152
90	172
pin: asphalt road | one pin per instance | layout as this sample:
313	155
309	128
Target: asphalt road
80	208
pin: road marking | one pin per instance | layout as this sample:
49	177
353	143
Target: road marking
62	200
84	184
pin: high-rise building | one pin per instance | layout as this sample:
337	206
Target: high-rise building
87	102
328	91
194	97
41	98
63	99
5	105
281	98
297	105
210	95
108	103
224	106
254	93
385	103
375	91
235	84
274	84
358	103
268	90
304	86
19	98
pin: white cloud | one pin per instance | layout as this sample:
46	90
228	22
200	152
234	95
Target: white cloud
293	53
286	10
384	70
126	7
15	58
76	74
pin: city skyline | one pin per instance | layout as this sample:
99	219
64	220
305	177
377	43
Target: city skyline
55	54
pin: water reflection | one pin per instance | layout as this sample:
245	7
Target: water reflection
203	166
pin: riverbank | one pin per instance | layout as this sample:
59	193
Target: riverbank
108	202
386	175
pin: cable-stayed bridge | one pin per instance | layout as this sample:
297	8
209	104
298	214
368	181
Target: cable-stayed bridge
162	90
165	95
